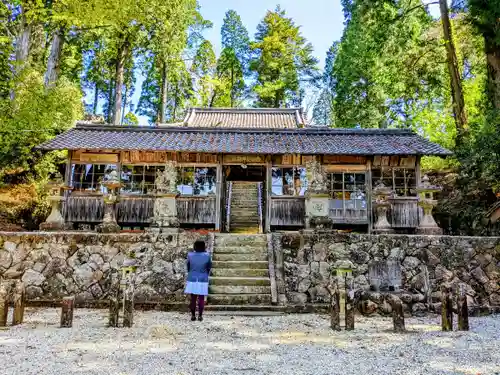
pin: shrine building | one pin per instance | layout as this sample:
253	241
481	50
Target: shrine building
244	170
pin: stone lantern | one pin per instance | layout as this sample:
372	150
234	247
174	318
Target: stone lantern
55	221
317	197
109	223
165	207
381	204
426	200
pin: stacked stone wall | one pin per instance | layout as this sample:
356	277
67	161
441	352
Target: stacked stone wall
309	258
55	265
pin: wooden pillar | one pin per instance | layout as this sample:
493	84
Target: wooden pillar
446	309
462	309
333	289
4	303
349	304
67	307
219	193
369	197
269	185
19	296
398	318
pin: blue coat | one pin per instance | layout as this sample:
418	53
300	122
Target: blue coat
198	266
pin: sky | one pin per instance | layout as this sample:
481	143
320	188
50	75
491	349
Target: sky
321	23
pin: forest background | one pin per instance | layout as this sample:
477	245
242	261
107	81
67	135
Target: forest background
433	67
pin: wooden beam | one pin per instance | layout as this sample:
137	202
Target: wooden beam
369	198
269	184
218	199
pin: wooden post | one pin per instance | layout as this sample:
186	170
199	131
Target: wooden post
349	304
4	303
114	302
398	318
18	315
462	309
269	187
128	299
67	307
446	309
219	193
333	289
114	310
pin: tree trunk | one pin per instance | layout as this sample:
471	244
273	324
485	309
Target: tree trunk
96	99
232	87
493	66
121	57
53	65
23	44
124	105
110	101
455	80
163	94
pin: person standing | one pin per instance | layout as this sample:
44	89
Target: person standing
199	264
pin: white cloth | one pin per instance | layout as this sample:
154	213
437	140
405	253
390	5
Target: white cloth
196	287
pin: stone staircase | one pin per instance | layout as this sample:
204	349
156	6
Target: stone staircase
240	273
244	208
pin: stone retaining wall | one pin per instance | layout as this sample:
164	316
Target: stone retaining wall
54	265
306	259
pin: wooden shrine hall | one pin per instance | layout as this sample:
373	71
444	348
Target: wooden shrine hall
243	169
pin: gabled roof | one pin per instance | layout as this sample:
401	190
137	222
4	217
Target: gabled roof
254	118
248	141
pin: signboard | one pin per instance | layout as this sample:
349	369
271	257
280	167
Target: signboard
98	158
244	159
344	159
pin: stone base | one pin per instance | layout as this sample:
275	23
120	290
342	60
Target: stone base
163	230
54	226
320	222
429	231
108	228
383	231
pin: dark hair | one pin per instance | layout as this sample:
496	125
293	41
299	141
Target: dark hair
199	246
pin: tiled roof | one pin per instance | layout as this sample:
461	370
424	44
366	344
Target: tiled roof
255	118
248	141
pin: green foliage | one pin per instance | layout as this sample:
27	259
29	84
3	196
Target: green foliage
26	123
204	69
282	61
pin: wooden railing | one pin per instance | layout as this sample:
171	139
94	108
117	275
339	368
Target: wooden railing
353	211
288	211
229	193
404	212
196	210
260	204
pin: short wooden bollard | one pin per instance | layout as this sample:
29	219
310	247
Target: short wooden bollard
398	318
446	309
462	309
128	302
4	303
19	294
349	304
333	289
67	307
114	310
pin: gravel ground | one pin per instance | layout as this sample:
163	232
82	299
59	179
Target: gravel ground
170	344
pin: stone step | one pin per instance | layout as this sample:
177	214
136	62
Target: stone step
240	239
255	265
239	289
216	257
244	213
255	281
239	272
241	299
244	223
247	249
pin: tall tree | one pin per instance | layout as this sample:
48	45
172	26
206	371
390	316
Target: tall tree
283	61
204	69
323	110
233	62
457	94
384	70
485	16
